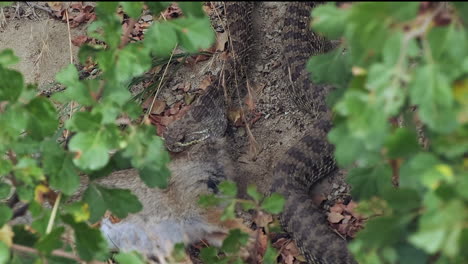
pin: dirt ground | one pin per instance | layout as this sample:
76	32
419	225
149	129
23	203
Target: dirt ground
42	43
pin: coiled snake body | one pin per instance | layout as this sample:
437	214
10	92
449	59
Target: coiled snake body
308	160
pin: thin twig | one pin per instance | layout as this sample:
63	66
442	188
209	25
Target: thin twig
72	104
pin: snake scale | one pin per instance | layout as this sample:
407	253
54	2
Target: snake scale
308	160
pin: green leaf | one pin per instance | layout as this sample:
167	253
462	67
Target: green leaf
178	253
228	188
208	200
25	193
97	205
5	214
403	200
431	91
84	121
192	9
120	202
5	190
76	90
273	204
270	255
383	231
448	44
463	185
148	155
420	172
462	8
24	236
157	7
385	82
235	239
161	38
194	33
229	212
51	241
329	20
7	58
89	242
4	253
11	85
79	211
6	4
93	147
402	143
129	258
365	119
13	122
252	191
133	61
452	145
209	255
133	9
330	68
5	167
43	121
155	176
117	162
58	166
440	228
369	182
407	253
346	147
27	171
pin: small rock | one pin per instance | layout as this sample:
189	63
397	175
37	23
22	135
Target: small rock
241	131
335	186
147	18
179	97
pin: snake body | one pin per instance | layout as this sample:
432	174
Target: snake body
308	160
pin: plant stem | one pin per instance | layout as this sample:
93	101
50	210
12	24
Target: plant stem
54	214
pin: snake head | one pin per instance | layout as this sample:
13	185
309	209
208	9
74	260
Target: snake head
178	140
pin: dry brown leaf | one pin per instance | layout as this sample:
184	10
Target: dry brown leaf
250	102
335	217
43	193
207	80
158	107
166	120
79	40
221	40
189	98
262	219
235	117
336	208
175	108
182	112
77	5
55	6
262	243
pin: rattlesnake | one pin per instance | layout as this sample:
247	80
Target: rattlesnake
307	161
